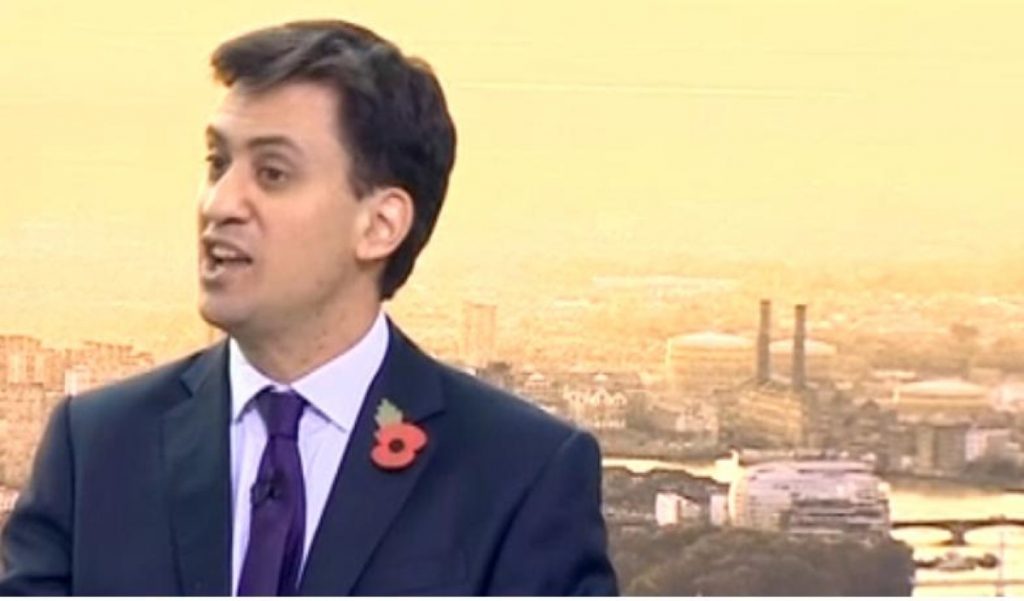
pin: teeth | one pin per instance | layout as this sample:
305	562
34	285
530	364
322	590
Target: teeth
222	253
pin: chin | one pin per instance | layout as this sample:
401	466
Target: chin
220	316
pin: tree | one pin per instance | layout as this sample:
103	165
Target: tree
737	562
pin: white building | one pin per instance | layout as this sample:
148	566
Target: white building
810	497
597	404
671	508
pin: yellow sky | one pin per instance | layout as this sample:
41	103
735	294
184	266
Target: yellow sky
755	128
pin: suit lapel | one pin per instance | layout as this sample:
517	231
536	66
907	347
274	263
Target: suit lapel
365	499
195	446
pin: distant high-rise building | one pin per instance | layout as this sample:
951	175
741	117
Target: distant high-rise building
940	448
16	369
24	360
479	333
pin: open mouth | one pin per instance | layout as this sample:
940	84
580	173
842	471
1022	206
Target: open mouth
221	257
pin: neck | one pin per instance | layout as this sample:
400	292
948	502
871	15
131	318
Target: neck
287	356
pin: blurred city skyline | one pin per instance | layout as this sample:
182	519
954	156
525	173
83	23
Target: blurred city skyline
632	179
650	137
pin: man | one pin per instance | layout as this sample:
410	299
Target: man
317	451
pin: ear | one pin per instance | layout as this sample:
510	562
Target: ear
386	217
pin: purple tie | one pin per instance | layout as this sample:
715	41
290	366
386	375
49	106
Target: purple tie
278	517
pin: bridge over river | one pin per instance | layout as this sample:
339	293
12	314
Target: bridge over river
958	528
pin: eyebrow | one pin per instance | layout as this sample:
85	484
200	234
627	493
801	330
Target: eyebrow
214	136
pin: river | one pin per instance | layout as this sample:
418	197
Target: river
913	500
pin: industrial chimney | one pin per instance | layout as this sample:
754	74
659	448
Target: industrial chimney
799	341
763	341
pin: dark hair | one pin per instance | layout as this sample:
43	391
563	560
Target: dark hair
392	113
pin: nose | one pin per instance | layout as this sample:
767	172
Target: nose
225	200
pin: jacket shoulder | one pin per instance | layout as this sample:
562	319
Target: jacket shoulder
502	420
151	391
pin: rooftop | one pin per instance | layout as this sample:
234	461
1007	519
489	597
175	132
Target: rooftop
946	387
712	340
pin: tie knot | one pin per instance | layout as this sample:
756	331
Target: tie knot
280	412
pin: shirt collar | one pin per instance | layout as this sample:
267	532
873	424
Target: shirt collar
336	388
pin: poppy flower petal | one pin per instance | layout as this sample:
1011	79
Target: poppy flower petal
386	458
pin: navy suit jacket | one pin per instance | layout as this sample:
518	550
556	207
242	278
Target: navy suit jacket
130	494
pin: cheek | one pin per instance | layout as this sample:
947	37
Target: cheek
315	251
311	244
337	232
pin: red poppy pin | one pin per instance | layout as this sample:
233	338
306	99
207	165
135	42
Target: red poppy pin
397	441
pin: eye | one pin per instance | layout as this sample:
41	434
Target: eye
215	166
272	176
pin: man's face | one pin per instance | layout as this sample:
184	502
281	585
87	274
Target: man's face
278	218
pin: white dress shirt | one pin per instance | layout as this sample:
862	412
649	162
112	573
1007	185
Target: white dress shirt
335	392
